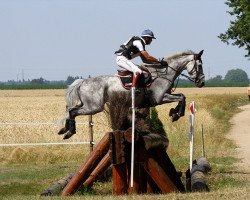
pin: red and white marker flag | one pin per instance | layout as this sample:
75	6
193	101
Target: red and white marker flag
191	132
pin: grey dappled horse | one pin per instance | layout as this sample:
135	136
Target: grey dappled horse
88	96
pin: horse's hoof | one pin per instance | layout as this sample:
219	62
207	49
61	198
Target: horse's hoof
175	117
182	114
68	135
171	112
62	131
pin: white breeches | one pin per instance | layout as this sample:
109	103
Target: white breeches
124	63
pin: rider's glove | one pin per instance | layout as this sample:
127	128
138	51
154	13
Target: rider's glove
163	62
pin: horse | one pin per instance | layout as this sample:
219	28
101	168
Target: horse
88	96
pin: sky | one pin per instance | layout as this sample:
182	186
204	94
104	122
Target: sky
54	39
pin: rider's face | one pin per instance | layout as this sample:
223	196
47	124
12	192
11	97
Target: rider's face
148	40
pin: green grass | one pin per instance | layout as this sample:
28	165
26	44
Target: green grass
64	86
33	86
30	179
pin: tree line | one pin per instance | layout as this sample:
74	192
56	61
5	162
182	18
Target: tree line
233	78
42	81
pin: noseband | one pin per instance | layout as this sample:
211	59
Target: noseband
195	68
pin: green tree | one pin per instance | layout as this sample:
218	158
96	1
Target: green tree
71	79
217	79
38	81
155	122
239	29
236	75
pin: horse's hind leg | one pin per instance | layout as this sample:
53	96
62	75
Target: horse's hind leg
65	128
69	122
70	126
71	129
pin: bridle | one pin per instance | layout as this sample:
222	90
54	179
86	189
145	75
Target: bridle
161	74
195	68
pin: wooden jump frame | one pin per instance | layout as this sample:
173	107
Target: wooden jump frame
154	171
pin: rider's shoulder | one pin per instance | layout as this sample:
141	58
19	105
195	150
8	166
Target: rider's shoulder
138	40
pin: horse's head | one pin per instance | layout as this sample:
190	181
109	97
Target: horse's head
195	70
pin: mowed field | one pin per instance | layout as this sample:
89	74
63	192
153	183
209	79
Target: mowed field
29	116
34	116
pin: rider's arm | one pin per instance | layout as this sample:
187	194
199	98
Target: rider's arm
146	58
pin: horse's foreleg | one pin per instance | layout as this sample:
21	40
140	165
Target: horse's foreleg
179	110
181	106
169	98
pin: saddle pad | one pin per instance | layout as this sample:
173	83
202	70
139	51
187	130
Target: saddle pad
126	77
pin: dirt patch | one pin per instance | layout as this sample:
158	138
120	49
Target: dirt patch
240	133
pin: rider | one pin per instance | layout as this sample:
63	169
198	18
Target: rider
134	47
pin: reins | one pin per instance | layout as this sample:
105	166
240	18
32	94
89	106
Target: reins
158	72
188	77
162	74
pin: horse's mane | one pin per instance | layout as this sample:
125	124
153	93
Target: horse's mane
177	55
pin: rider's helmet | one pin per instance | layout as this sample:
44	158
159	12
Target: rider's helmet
148	33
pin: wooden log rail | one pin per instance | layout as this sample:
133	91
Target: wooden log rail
153	170
97	156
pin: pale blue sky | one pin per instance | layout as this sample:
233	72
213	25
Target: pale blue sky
56	38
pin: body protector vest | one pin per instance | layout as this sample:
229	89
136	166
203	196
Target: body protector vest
128	50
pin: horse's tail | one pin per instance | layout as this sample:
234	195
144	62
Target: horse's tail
72	96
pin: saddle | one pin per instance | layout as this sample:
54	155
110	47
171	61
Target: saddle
126	78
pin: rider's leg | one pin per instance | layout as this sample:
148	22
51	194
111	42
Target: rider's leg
124	63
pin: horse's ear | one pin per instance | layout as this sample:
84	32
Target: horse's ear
200	53
198	56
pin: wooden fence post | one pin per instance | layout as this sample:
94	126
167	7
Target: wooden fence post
119	168
91	137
